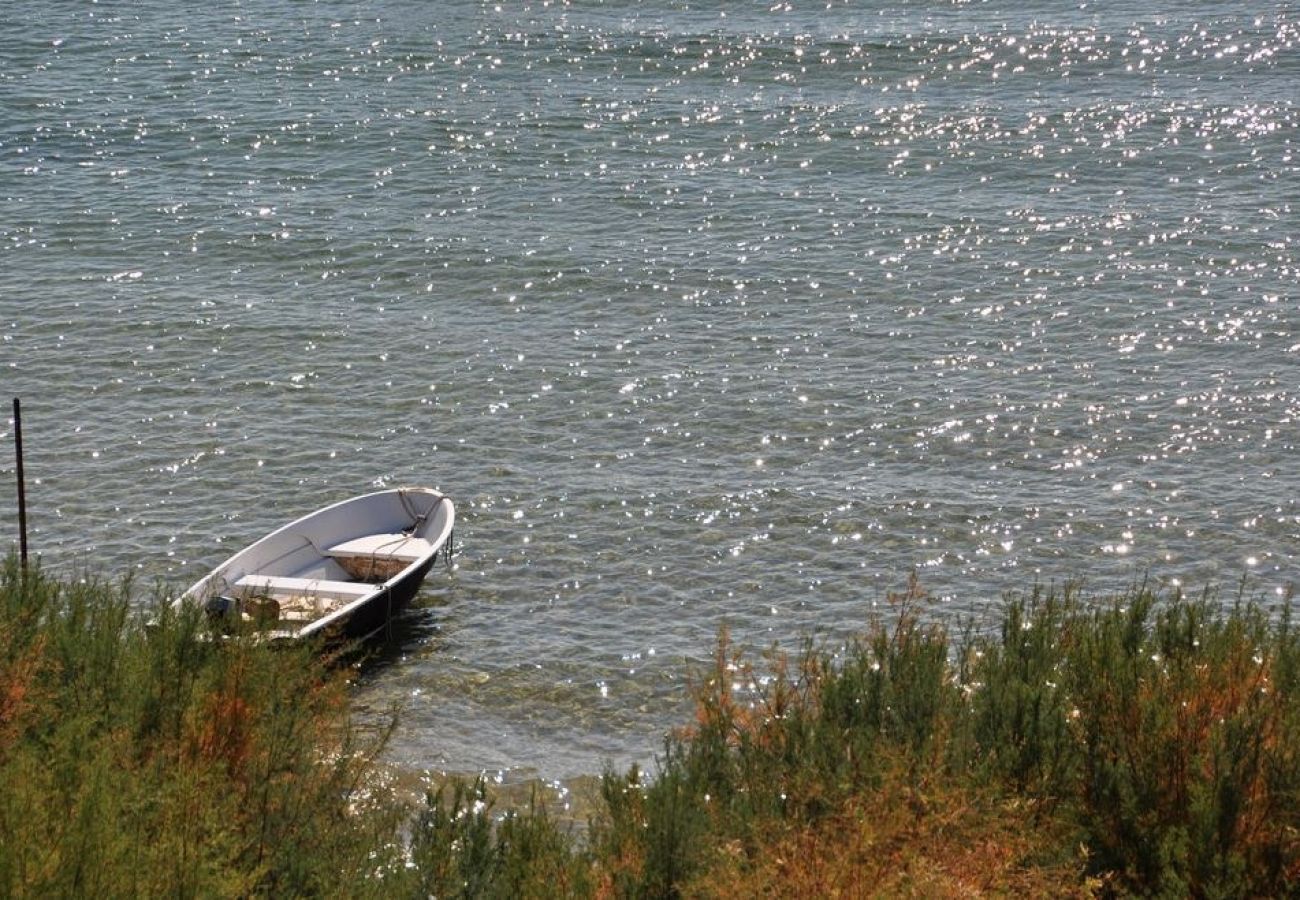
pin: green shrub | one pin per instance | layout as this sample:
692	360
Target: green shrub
795	746
1019	708
1162	734
1158	734
142	759
1185	722
459	849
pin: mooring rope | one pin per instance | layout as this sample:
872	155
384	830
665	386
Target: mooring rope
417	519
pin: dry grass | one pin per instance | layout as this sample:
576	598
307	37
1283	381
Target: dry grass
1144	744
896	842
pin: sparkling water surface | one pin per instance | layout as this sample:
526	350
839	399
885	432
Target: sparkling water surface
704	314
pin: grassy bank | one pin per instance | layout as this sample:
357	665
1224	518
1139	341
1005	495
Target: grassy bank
1147	744
142	761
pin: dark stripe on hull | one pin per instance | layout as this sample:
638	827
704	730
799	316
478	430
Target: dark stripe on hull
371	617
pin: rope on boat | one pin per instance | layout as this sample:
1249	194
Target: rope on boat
417	519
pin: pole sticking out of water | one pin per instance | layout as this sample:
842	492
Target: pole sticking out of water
22	490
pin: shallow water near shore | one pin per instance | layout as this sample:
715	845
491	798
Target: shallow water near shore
702	314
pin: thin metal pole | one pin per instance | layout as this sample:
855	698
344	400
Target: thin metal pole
22	490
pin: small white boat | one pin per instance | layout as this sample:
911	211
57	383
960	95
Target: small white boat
342	571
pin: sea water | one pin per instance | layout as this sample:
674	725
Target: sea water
705	314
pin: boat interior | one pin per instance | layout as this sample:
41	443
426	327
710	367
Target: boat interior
319	565
330	579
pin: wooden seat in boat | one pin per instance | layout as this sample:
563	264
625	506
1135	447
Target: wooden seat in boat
280	585
377	557
391	546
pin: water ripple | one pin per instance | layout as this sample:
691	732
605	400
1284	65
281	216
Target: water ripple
705	317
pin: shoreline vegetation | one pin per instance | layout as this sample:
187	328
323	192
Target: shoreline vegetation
1142	743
